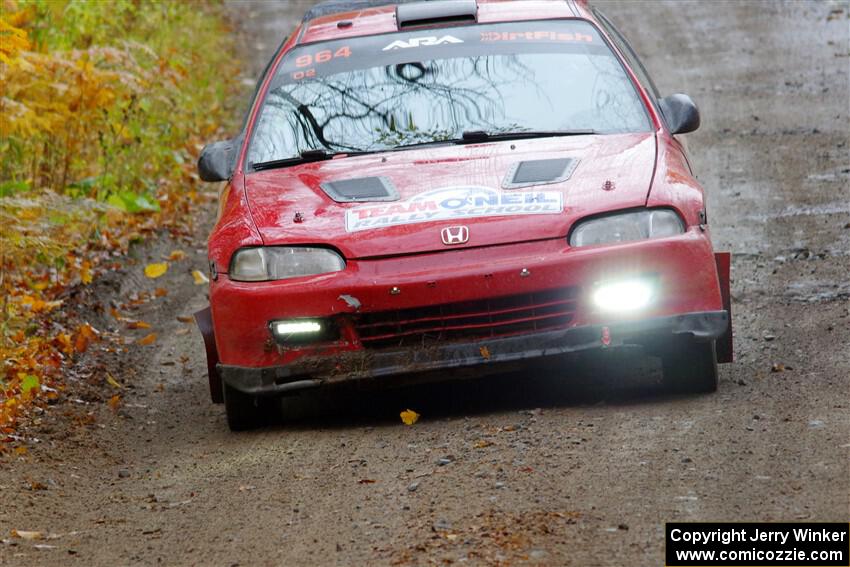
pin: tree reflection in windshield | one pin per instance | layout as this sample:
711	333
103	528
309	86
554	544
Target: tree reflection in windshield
384	107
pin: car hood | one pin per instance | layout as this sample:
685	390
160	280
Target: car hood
452	186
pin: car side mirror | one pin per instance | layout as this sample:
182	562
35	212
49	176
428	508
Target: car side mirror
217	160
680	112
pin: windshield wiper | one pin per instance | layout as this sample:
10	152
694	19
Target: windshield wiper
475	136
468	137
482	136
306	156
450	141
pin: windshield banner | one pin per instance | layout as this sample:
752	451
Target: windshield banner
452	203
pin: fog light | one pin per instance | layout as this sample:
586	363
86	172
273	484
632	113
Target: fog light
288	328
623	296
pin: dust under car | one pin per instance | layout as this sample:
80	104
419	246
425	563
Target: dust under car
451	185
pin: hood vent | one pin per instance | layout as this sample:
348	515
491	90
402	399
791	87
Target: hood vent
361	189
539	172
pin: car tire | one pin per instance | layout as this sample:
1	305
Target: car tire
690	367
245	411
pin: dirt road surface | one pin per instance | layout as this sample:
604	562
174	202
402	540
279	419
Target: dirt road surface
580	465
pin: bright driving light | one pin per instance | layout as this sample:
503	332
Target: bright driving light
623	296
285	328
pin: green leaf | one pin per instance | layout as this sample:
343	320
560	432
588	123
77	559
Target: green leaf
117	202
29	383
145	203
133	203
9	188
58	219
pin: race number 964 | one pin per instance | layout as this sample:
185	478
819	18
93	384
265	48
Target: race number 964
322	57
312	59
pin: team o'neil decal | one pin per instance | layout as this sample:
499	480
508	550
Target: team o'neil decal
427	41
454	203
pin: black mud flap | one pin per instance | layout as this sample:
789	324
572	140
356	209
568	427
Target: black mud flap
203	318
725	351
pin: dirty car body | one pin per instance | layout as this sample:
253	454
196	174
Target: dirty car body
427	187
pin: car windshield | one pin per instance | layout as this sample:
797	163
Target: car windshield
382	92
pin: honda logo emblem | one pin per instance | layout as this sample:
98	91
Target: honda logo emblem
452	235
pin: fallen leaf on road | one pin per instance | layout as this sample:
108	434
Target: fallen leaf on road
147	340
156	270
183	331
21	450
112	381
199	277
779	367
85	335
38	305
160	292
65	343
176	255
485	352
115	402
138	325
409	417
29	535
366	481
481	443
85	272
185	318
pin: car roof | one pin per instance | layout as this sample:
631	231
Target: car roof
369	17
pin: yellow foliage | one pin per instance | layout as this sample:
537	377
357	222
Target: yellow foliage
156	270
12	38
200	277
103	109
409	417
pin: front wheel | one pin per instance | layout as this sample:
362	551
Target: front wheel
245	411
690	367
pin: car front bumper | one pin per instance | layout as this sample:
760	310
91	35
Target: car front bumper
481	357
682	269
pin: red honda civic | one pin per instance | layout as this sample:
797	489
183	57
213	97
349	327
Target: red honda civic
428	187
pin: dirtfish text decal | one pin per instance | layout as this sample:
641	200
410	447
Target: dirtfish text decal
454	203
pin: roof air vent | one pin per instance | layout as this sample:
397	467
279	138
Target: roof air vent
435	12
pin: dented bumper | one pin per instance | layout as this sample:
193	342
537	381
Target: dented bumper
481	357
471	311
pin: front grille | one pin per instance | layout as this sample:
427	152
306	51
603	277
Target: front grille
469	320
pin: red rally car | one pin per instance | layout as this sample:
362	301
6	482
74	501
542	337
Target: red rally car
452	185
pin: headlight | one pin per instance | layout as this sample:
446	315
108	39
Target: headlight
280	263
626	227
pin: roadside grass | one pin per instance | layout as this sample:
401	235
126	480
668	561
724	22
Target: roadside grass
104	107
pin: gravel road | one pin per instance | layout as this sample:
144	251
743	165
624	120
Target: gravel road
580	465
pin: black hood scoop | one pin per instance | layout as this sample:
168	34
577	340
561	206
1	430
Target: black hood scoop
539	172
361	189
